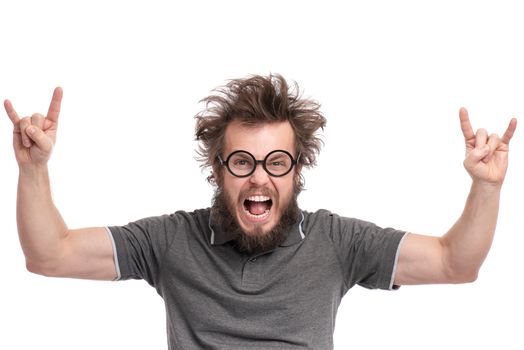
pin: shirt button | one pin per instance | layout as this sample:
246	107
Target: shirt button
253	259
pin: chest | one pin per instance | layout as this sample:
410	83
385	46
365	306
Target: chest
289	294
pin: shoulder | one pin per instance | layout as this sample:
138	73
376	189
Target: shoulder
318	224
326	220
198	215
196	220
339	228
168	223
321	217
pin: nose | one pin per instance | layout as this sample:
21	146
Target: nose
259	177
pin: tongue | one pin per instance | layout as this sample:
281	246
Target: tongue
257	208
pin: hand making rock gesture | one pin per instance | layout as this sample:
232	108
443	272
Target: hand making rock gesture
486	155
35	136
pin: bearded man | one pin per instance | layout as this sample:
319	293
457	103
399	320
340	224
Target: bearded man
254	271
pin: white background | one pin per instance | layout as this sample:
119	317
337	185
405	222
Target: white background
391	77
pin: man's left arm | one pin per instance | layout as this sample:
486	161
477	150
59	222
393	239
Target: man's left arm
457	256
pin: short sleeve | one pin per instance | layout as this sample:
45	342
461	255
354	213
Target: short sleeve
139	247
367	253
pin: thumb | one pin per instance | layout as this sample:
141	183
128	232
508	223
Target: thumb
476	155
41	140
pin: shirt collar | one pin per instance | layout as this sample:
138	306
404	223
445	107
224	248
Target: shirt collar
219	237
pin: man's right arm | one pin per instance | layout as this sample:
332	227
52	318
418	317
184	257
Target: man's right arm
50	248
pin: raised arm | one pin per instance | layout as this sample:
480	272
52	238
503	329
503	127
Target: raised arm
50	248
457	256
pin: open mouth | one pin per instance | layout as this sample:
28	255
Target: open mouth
257	208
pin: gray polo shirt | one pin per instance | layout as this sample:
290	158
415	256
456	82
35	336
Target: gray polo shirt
287	298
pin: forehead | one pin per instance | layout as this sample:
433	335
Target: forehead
259	140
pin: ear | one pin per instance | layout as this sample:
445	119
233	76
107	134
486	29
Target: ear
217	175
298	180
298	172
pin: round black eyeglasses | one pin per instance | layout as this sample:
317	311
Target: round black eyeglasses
242	163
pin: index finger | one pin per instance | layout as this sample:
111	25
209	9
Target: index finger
465	124
11	112
509	131
54	107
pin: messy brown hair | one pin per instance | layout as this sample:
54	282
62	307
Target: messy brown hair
253	101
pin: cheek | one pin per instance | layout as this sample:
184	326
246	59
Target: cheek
232	187
285	188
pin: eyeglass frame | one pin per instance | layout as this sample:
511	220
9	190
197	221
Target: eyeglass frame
257	162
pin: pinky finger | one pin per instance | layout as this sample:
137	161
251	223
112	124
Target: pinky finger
11	113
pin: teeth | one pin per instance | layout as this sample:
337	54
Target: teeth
258	198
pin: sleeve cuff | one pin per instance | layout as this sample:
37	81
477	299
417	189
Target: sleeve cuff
115	255
393	286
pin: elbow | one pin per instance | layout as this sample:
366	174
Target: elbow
34	267
460	277
40	268
457	268
469	278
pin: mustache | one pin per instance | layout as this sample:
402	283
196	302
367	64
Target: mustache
264	191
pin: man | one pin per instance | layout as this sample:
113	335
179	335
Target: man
254	271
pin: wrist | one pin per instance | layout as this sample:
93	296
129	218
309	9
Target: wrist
486	187
33	170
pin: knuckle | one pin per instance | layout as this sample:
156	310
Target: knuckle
37	117
482	131
24	124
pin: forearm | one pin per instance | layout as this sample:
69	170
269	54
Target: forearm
468	242
40	225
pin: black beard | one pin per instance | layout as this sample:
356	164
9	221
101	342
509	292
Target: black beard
222	215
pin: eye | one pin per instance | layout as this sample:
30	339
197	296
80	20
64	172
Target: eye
242	163
278	162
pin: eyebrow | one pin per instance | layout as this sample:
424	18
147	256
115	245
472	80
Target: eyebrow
276	157
245	150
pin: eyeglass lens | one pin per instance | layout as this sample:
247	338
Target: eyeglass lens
276	163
